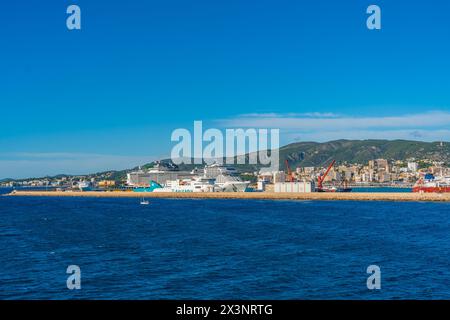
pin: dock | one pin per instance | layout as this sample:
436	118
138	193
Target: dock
349	196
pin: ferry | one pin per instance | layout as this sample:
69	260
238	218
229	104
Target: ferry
85	186
152	187
199	184
429	183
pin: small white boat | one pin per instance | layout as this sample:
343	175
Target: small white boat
145	202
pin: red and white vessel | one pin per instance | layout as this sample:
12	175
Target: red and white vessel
429	183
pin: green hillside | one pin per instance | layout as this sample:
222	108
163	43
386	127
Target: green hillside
352	151
361	151
321	154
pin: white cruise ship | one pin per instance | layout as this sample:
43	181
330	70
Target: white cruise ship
227	178
215	178
231	183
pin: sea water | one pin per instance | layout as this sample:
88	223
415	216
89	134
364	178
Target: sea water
222	249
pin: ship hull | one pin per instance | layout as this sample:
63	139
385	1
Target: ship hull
431	184
431	189
334	190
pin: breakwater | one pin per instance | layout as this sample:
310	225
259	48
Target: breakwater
353	196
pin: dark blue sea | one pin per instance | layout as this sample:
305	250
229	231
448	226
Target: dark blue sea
222	249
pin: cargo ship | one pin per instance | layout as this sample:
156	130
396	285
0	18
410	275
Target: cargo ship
429	183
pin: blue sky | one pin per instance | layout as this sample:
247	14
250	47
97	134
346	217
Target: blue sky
108	96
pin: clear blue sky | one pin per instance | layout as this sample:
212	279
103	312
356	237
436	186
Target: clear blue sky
109	95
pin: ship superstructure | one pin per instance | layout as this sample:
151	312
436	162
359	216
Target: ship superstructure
429	183
215	178
161	173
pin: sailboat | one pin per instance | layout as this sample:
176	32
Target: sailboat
144	202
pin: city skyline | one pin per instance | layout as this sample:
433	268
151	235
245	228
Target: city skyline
374	172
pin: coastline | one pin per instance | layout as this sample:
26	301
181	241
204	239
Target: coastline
349	196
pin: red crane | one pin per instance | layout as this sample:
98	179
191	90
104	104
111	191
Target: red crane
322	177
290	178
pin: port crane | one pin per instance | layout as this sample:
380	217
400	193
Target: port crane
343	187
289	172
321	178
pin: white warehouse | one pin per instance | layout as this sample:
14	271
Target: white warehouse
302	186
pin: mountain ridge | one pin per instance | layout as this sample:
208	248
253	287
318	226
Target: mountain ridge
320	154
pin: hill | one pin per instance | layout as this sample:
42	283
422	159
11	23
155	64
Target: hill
321	154
353	151
361	151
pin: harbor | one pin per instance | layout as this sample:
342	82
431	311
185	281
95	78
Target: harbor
217	181
349	196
